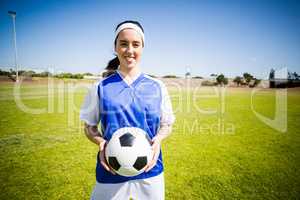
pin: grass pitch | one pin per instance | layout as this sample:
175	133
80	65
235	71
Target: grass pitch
218	149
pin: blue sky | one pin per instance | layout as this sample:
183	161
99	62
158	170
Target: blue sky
229	37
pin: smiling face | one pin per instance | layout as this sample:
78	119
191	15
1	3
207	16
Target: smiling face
129	47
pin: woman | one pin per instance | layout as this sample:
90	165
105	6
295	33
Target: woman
128	98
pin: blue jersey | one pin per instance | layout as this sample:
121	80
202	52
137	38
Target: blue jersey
141	104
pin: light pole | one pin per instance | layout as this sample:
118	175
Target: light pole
13	15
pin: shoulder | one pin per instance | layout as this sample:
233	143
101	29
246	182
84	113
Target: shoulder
155	81
95	87
109	79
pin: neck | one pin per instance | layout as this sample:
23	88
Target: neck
130	73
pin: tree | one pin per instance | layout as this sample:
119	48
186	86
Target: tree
45	74
187	75
77	76
248	77
222	80
12	72
225	81
237	80
87	74
4	73
170	76
297	77
255	83
272	74
272	78
197	77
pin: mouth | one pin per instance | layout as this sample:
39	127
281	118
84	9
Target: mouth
129	58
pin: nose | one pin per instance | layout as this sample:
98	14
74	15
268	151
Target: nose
129	49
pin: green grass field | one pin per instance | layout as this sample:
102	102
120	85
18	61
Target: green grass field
47	156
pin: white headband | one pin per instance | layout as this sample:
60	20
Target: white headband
132	26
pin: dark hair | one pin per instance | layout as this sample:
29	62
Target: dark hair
113	64
128	21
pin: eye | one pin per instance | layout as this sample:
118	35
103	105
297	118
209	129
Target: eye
136	44
123	44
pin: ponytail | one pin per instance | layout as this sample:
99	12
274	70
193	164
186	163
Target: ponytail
111	67
113	64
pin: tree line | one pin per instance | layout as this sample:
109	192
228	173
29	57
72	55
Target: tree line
30	73
292	80
245	80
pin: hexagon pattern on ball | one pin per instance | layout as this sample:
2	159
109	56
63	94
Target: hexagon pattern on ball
128	151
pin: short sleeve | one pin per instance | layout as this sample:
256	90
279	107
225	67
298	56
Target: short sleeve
89	112
167	115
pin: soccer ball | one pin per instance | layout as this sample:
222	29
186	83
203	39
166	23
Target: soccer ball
128	151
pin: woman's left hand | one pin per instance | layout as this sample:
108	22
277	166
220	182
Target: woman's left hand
156	141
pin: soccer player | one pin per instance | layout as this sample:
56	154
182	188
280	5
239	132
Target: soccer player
128	98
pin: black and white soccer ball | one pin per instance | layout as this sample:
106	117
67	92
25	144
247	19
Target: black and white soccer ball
128	151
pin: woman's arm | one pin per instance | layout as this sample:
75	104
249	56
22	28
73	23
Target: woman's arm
164	131
93	134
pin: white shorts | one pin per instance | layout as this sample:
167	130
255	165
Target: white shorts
142	189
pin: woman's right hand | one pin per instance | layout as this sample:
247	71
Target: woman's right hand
102	157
